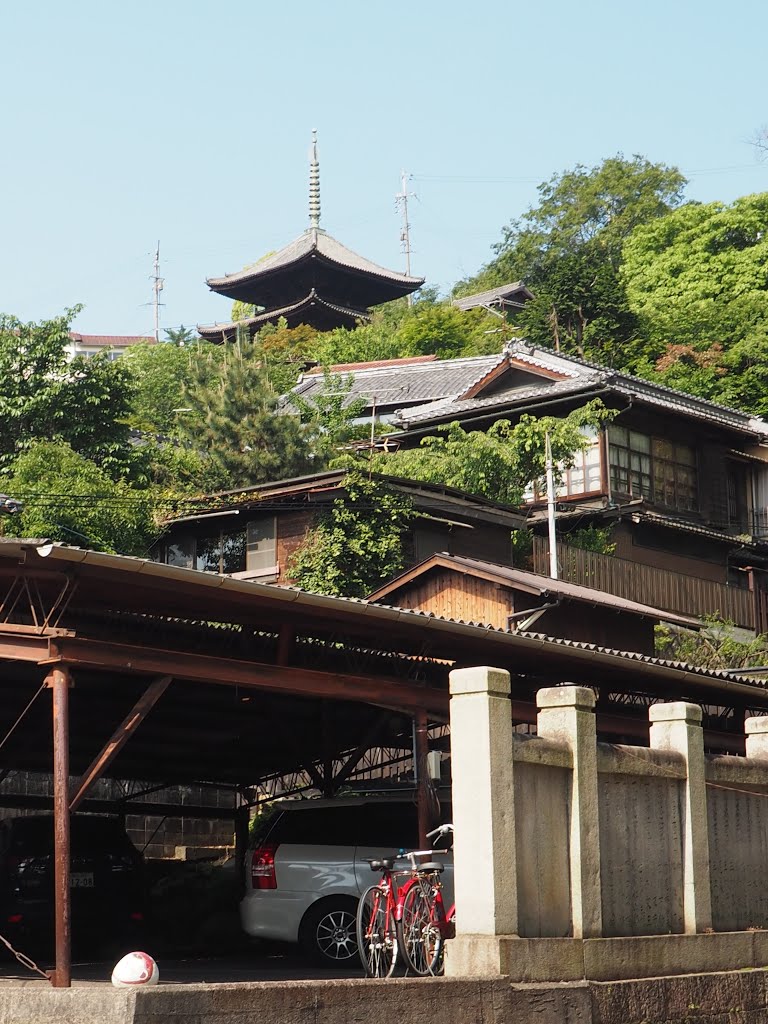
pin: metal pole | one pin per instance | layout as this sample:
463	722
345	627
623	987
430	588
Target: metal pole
59	681
420	751
551	507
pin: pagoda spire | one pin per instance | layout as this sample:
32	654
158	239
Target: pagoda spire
314	185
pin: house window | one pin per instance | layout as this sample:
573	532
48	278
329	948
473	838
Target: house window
261	555
582	478
250	551
660	470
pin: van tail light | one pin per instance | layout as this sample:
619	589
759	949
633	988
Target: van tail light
263	867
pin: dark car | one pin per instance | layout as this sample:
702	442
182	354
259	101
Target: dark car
106	882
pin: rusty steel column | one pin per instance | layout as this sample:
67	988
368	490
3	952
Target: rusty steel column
59	681
420	751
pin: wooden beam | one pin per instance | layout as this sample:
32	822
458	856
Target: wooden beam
120	737
393	693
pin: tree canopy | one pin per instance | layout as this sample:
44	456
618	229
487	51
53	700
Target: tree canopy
567	250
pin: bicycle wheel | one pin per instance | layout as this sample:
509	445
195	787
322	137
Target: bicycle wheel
376	933
420	930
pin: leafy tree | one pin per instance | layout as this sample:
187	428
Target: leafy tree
235	420
330	416
498	463
70	499
716	646
83	402
159	374
568	249
697	281
397	331
358	543
286	352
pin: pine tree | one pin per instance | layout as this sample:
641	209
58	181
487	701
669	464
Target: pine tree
237	422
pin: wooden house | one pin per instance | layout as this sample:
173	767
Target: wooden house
252	533
682	482
486	594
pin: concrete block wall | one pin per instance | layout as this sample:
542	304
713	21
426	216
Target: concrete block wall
559	836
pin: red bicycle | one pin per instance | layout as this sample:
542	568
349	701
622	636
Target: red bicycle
403	912
423	922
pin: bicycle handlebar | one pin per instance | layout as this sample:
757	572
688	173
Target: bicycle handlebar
441	830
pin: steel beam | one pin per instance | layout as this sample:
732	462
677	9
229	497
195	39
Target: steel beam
120	737
392	693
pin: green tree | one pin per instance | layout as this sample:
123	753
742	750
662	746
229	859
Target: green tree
397	331
717	645
568	250
358	543
500	462
181	335
330	417
84	402
70	499
697	282
159	374
236	421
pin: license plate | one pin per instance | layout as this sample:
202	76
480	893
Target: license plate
81	880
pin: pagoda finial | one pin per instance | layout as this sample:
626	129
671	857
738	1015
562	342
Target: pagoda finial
314	185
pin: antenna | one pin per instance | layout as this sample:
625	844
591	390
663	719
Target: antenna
157	287
401	203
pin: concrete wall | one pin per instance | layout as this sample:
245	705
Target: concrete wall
609	842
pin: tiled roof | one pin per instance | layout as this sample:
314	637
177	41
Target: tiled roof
585	375
514	293
308	302
110	340
356	367
409	383
314	240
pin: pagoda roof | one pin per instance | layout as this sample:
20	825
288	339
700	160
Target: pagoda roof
315	257
312	310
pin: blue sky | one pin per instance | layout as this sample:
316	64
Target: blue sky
189	122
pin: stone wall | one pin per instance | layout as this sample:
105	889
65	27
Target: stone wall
559	836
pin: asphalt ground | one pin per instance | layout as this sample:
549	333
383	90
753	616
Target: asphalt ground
253	965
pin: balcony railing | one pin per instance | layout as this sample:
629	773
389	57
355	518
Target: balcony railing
660	588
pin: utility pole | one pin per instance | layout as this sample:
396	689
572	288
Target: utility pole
157	287
401	202
550	472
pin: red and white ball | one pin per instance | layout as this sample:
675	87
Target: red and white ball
135	969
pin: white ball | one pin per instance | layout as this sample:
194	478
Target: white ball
135	969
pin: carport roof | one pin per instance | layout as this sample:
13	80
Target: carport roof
264	677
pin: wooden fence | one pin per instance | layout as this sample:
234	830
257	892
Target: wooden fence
660	588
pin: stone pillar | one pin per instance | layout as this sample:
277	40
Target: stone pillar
567	715
757	737
677	728
484	855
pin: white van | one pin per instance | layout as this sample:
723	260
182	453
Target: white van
308	871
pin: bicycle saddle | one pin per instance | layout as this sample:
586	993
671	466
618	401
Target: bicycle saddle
432	865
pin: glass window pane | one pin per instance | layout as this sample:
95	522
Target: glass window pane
618	435
262	546
181	553
639	442
233	552
208	554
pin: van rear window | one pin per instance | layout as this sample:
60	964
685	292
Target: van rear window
386	824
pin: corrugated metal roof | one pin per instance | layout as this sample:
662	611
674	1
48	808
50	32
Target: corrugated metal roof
111	340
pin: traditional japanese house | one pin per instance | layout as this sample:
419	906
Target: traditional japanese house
473	590
314	280
252	533
682	482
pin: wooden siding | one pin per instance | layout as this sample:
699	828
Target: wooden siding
456	597
672	591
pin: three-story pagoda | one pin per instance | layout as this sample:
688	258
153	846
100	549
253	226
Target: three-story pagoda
314	280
